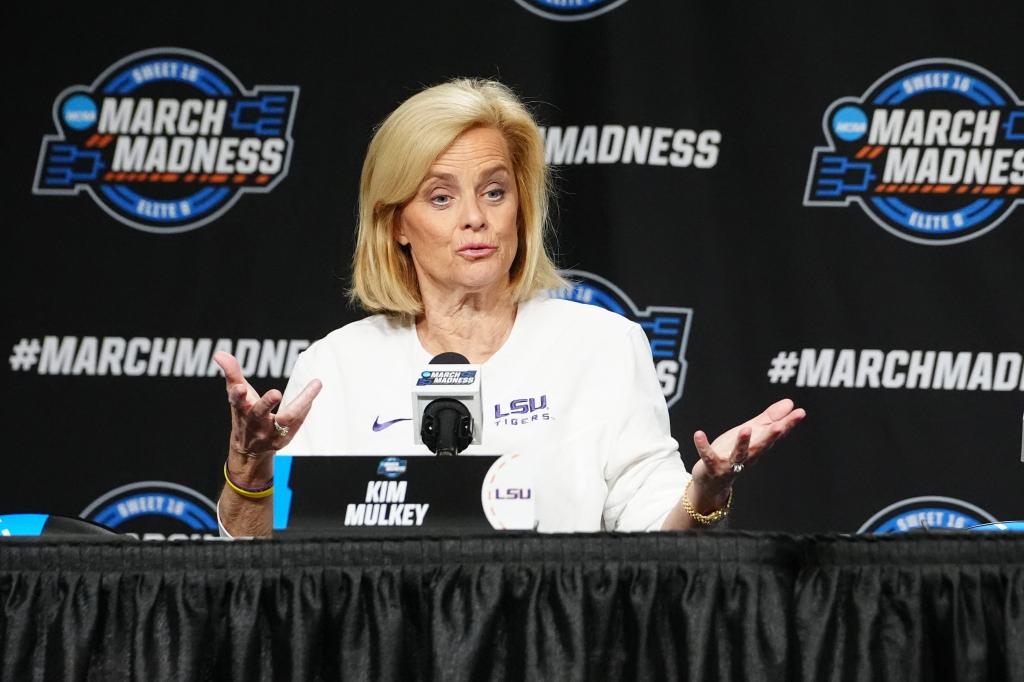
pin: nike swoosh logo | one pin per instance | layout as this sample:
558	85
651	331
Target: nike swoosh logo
380	426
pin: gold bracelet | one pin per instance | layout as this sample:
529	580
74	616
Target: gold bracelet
252	494
705	519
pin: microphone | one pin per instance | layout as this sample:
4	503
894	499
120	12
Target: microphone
447	405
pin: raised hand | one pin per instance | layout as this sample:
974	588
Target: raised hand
721	461
256	432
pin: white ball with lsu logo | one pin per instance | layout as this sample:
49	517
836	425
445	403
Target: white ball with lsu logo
507	494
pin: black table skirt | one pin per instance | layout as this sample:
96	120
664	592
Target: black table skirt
701	606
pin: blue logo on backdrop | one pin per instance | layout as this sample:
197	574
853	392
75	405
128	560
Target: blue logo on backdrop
668	328
154	510
850	123
933	152
570	10
391	467
79	112
926	513
167	140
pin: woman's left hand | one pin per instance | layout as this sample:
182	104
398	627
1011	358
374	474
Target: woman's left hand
737	448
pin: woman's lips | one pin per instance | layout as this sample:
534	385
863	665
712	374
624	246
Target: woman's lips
474	251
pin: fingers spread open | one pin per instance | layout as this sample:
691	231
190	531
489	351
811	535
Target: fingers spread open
294	412
780	409
766	439
229	365
791	420
700	441
238	396
742	449
265	405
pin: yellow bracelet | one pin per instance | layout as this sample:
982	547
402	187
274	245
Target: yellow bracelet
247	493
705	519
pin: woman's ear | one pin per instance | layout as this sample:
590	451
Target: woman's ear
400	234
397	230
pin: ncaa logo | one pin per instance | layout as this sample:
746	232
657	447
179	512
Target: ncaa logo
570	10
167	140
926	513
933	152
667	328
391	467
155	510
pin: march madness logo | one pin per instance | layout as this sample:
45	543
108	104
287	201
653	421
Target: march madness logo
933	152
570	10
926	513
155	510
167	140
668	328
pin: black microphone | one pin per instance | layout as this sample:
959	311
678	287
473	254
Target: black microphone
444	392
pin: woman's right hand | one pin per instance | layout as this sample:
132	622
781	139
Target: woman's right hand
254	437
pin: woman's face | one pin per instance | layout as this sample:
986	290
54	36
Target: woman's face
461	224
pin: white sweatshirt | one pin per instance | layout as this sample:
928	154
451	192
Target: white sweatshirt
573	389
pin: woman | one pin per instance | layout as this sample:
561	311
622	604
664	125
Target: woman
450	256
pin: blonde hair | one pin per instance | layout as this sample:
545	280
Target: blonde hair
399	157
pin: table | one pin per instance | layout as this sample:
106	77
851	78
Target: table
694	605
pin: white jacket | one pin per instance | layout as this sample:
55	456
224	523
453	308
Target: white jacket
573	389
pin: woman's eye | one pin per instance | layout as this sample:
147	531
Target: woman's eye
440	200
495	194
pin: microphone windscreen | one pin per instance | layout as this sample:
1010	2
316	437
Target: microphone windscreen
450	359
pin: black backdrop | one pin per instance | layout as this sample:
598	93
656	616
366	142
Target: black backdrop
763	273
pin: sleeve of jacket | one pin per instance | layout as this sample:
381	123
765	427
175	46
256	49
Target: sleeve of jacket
643	470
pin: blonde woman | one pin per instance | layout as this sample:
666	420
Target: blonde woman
450	256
